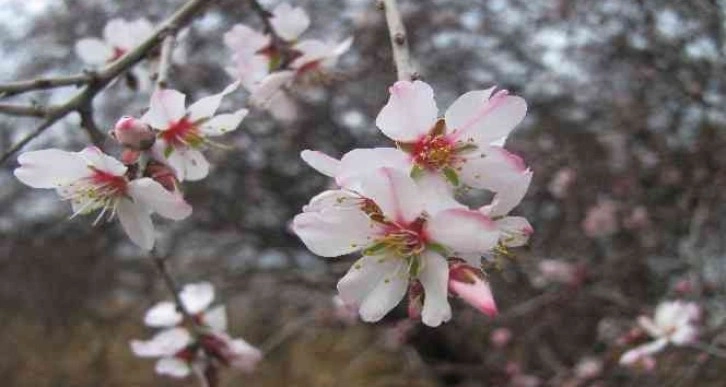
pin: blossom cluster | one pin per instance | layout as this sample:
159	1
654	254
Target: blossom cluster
397	205
184	346
270	64
161	149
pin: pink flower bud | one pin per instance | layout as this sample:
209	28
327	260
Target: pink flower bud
500	337
134	134
467	282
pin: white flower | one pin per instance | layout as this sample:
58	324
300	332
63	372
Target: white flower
119	37
179	350
289	22
674	323
184	131
464	144
251	61
92	181
387	218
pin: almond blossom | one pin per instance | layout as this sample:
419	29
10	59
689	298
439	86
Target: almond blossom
184	131
269	65
94	181
403	244
119	37
181	350
675	322
464	144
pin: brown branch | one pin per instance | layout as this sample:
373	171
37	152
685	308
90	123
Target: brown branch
19	87
171	284
399	41
103	78
24	110
165	62
88	124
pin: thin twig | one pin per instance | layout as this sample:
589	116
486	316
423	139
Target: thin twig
162	75
89	124
287	331
399	41
19	87
709	349
24	110
104	77
264	16
171	284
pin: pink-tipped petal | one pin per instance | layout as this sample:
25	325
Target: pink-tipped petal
166	107
410	113
465	282
321	162
463	231
395	193
434	277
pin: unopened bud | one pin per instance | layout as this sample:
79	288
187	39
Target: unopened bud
468	283
134	134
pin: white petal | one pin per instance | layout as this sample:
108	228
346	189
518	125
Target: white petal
289	22
463	231
434	277
118	33
334	231
101	161
153	196
282	107
244	39
357	163
50	168
207	106
375	283
439	194
321	162
166	107
197	297
165	343
93	51
410	113
136	221
494	169
641	351
270	86
395	193
476	117
515	230
189	164
312	50
246	356
141	30
223	123
508	198
162	315
216	318
173	367
250	69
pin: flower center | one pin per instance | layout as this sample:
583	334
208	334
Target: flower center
405	241
433	152
108	185
182	132
117	53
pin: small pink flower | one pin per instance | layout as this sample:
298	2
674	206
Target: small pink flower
500	337
601	220
133	133
561	182
562	272
119	37
588	368
638	219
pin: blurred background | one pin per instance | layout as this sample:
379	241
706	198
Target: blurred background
625	134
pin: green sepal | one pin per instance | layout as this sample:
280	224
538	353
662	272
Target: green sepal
416	172
451	176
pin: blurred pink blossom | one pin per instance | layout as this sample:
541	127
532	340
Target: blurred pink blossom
558	271
500	337
561	182
601	219
638	219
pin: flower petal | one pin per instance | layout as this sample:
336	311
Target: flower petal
118	34
242	38
472	288
101	161
494	169
357	163
375	283
216	318
395	193
155	197
246	356
93	51
268	88
165	343
136	221
172	366
480	119
207	106
333	229
163	315
188	164
321	162
515	231
197	297
50	168
410	113
166	107
434	277
223	123
509	197
463	231
289	22
634	355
